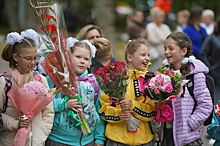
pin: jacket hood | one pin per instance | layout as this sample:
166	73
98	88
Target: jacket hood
198	67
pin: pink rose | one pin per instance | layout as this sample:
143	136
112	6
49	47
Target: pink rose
168	88
156	73
156	91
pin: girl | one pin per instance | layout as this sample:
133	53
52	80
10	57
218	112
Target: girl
103	54
21	53
188	123
141	108
64	132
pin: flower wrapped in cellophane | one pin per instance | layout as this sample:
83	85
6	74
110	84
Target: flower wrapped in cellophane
163	85
30	97
57	63
113	79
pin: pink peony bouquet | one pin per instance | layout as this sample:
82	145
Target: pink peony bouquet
35	86
163	86
30	97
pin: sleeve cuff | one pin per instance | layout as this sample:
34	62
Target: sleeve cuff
99	141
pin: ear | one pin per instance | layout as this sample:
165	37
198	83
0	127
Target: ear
15	57
110	56
129	57
183	51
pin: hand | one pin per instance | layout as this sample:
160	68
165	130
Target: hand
98	145
125	115
125	104
23	123
156	137
74	105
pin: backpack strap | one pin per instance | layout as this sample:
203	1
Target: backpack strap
8	84
90	78
190	86
95	85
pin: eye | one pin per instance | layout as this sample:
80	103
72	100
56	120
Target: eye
86	59
77	56
143	54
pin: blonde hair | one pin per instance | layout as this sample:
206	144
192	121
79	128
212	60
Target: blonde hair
155	11
133	45
103	49
83	31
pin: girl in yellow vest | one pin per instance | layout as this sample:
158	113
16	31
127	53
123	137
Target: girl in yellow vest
139	106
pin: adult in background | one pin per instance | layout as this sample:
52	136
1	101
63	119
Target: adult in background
182	20
157	32
209	54
89	32
195	31
135	27
208	21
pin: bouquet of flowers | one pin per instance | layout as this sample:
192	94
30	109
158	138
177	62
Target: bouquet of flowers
29	96
164	85
112	79
57	63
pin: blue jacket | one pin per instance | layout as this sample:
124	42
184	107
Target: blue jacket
214	129
64	130
195	37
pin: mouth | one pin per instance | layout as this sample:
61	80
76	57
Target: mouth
145	63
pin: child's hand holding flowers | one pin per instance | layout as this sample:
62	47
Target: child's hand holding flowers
74	105
163	86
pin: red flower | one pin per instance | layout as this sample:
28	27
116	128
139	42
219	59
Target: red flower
114	74
51	27
54	39
42	28
44	9
49	17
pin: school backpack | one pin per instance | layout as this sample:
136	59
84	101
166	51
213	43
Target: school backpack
210	85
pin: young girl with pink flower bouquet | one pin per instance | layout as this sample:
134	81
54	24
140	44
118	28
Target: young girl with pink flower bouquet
21	53
187	127
134	106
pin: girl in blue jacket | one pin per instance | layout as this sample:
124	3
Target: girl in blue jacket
64	131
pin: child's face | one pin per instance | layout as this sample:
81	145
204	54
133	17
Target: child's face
26	59
140	59
80	58
173	53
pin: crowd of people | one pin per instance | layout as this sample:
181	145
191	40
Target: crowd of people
192	49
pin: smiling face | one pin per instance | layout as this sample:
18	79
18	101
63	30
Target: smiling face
92	35
80	57
26	59
140	59
174	53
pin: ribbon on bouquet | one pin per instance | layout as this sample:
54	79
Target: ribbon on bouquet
71	113
164	113
113	100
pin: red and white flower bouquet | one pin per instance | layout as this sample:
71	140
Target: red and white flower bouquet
163	86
